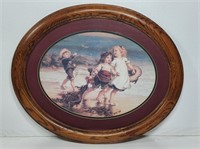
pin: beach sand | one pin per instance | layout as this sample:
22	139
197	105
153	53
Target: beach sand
130	99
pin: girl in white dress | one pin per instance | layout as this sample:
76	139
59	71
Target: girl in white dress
121	65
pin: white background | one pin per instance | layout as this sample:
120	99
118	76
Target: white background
179	18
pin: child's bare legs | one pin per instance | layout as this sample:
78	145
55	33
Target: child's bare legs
70	77
112	96
63	83
71	82
83	100
102	92
72	85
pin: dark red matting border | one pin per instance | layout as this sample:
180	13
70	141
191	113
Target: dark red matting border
106	26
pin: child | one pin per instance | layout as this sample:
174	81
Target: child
101	75
121	66
66	57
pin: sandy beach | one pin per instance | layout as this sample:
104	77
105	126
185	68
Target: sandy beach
51	79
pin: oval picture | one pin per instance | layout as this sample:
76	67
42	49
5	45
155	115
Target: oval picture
97	75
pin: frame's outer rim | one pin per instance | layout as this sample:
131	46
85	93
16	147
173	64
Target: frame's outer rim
66	15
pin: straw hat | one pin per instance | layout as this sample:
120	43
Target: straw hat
64	51
135	76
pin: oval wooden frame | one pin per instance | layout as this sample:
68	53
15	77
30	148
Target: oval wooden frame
75	13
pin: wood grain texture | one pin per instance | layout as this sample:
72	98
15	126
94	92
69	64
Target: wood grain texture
96	11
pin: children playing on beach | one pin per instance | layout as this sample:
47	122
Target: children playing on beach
111	74
67	57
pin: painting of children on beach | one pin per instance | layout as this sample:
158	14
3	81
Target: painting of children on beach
97	74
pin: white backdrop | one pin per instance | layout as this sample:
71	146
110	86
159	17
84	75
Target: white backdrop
179	18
